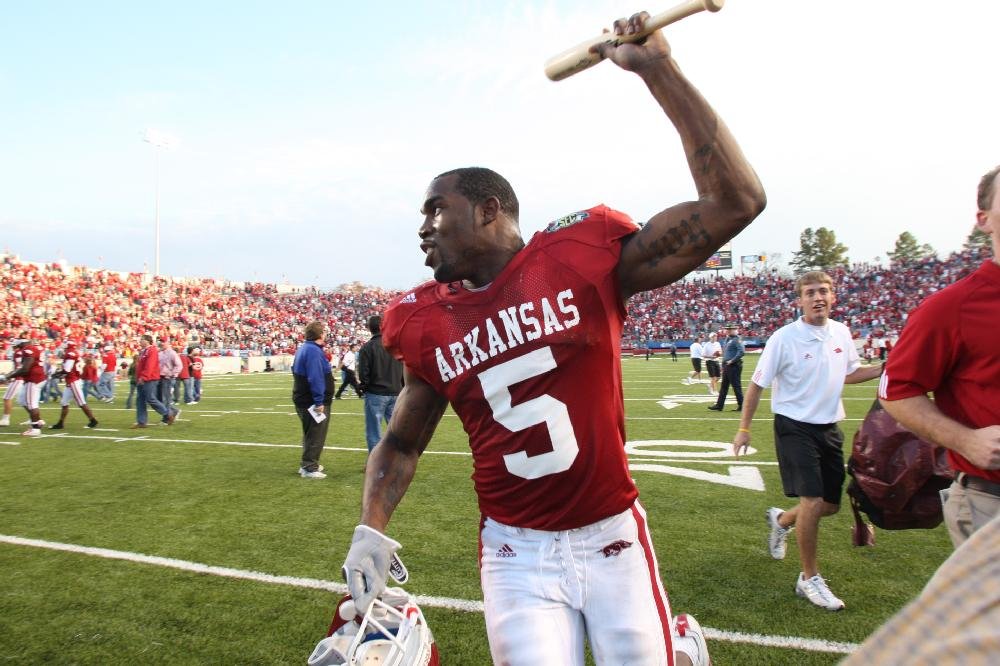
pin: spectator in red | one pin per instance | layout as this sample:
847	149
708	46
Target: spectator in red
147	381
196	367
89	376
109	369
183	379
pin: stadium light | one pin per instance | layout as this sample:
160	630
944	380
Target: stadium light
159	141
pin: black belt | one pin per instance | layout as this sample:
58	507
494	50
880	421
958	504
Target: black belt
982	485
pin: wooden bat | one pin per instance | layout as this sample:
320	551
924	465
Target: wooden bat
580	57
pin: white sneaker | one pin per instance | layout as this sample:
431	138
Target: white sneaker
686	380
778	534
815	590
40	422
689	639
302	470
312	475
32	432
5	421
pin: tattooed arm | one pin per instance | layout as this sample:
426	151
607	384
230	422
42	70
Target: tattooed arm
677	240
393	461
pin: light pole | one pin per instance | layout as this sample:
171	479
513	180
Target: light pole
159	141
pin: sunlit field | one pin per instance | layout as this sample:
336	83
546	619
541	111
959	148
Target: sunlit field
198	543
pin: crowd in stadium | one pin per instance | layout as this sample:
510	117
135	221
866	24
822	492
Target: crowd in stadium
871	300
101	307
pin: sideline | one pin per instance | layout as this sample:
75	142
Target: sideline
464	605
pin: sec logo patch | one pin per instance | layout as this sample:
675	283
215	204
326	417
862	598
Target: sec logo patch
567	221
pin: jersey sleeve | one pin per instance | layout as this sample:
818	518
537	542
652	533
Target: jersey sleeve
594	232
401	328
925	353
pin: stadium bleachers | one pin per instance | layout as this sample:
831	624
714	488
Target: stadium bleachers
241	318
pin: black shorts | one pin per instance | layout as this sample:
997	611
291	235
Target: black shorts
696	364
811	458
713	368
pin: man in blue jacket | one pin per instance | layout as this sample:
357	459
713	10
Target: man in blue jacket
312	394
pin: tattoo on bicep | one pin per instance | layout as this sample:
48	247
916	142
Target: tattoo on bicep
704	154
686	233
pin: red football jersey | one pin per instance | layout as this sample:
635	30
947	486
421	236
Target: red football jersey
72	365
36	374
531	366
196	367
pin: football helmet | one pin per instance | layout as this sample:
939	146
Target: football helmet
393	632
689	639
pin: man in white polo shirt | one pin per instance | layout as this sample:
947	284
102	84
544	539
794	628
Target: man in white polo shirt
807	364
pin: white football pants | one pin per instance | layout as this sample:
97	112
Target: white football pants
74	392
547	592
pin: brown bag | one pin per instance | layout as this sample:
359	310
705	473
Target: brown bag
896	477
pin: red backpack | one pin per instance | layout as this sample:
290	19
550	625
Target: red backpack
896	477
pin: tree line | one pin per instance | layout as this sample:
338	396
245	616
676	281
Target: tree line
819	249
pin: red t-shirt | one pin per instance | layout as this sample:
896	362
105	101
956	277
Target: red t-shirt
949	347
89	372
531	366
185	373
196	366
109	361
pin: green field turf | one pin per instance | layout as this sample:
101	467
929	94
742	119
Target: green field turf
219	489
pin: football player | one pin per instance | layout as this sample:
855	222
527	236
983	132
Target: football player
14	384
72	366
32	373
516	338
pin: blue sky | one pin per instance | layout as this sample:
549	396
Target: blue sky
306	132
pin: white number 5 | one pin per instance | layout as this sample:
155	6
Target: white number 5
544	409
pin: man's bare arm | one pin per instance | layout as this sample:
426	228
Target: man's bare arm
864	374
751	400
394	461
679	239
919	414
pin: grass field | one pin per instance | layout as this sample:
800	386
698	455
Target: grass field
199	543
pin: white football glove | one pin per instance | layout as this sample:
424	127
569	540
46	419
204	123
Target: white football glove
367	565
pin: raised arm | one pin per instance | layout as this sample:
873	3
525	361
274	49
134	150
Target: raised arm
677	240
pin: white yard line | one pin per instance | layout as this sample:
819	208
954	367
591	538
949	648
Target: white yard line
148	438
465	605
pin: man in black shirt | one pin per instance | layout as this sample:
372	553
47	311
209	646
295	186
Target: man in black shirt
381	378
